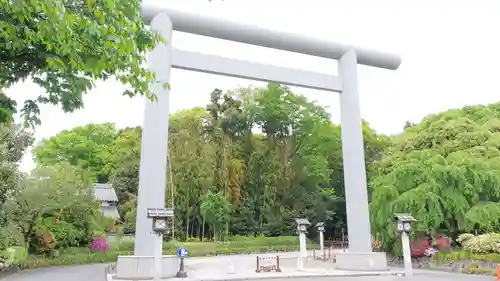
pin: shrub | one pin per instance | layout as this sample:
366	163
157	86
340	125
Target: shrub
64	233
376	244
475	268
14	255
44	242
430	252
193	240
443	243
485	243
419	246
99	245
464	237
240	238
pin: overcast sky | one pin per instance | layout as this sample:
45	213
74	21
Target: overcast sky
449	48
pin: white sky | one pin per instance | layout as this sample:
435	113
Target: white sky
450	50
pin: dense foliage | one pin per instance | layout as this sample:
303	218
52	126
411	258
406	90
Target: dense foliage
240	165
248	165
236	166
65	46
445	171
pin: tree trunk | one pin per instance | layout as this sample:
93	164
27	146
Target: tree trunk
199	232
187	228
192	229
227	230
215	234
28	232
203	230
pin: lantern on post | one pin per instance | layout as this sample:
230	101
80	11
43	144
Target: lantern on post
403	226
302	224
321	230
160	226
160	217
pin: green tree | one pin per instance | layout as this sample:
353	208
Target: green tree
124	158
190	167
65	46
89	147
445	171
215	208
60	191
7	109
13	143
260	152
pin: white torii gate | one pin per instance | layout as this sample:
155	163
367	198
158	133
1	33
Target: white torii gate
152	174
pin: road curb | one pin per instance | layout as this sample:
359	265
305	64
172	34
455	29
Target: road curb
4	274
311	275
306	275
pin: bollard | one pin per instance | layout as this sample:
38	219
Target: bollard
278	268
498	272
257	268
181	273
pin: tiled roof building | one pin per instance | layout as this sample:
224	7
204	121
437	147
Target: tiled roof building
106	194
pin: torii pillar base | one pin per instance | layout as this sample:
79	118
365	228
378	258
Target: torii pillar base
370	261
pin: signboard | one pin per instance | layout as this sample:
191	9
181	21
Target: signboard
182	252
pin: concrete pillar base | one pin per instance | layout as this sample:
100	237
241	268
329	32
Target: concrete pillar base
356	261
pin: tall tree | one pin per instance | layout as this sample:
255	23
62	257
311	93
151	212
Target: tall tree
61	191
445	171
88	147
65	46
13	143
259	151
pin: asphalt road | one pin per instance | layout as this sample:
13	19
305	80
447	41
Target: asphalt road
92	272
95	272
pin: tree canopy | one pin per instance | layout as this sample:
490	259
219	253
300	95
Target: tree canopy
259	153
65	46
88	147
445	171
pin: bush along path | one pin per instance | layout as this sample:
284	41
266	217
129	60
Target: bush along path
100	252
478	255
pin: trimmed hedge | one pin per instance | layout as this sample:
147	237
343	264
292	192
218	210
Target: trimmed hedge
443	257
73	256
233	242
475	266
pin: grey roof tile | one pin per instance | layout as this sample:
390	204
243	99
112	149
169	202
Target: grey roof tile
105	192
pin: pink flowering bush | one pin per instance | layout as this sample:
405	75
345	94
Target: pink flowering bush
429	252
419	246
99	244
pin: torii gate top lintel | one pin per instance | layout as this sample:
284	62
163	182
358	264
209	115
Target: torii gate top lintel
233	31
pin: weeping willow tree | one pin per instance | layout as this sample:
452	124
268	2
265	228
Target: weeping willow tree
445	171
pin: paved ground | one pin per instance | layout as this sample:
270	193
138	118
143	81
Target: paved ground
96	273
204	267
93	272
419	277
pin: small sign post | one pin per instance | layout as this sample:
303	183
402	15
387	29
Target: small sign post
182	253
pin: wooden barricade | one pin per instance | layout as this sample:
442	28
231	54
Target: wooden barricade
268	264
110	269
326	255
337	243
